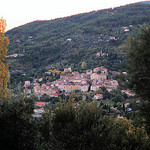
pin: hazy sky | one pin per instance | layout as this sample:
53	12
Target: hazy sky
19	12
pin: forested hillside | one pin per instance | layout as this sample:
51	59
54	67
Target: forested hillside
146	2
97	37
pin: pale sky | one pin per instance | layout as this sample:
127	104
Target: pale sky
19	12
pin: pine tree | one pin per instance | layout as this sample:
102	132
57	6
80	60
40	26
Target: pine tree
3	63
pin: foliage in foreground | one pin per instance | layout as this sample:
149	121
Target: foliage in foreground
68	126
16	124
138	54
3	63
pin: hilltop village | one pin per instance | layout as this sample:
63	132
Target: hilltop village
84	82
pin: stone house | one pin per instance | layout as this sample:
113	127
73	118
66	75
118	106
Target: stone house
75	73
64	77
98	96
27	84
44	89
95	87
99	77
114	84
48	90
84	87
40	104
67	70
89	72
70	87
128	92
111	84
102	69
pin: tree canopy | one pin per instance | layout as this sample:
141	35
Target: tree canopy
138	54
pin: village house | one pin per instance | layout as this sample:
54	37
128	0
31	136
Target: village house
69	40
36	83
47	90
60	86
75	73
57	82
27	84
107	83
98	96
120	117
98	54
84	87
40	104
126	105
96	86
111	38
113	108
101	69
75	80
85	76
125	73
27	89
67	70
111	85
84	81
101	54
109	88
95	70
114	73
50	91
13	55
89	72
48	72
83	97
64	76
126	30
94	76
41	79
36	90
70	87
99	77
138	101
114	84
128	92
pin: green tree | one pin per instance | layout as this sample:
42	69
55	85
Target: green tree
90	95
106	95
99	91
138	54
84	65
118	98
17	127
85	128
46	140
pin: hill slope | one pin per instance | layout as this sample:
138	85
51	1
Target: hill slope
146	2
69	41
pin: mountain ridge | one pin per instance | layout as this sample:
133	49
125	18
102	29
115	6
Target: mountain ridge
146	2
